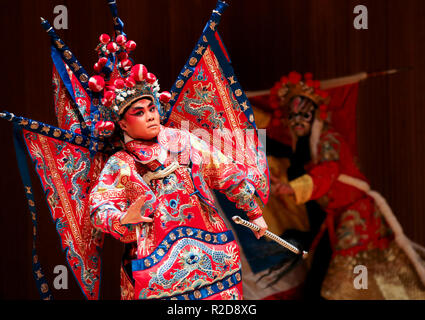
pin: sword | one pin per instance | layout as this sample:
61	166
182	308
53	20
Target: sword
270	235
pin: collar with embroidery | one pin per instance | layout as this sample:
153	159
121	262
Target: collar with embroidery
168	139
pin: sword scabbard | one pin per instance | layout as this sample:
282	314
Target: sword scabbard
270	235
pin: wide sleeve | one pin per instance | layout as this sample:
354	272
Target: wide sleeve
113	193
321	176
229	177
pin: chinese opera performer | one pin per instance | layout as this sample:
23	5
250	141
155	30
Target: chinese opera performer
125	160
361	227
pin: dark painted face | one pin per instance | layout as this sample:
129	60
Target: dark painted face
301	115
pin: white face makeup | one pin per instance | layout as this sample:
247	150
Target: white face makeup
301	112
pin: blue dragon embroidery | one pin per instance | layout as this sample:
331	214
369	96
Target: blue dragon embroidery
76	170
87	276
53	198
197	257
201	107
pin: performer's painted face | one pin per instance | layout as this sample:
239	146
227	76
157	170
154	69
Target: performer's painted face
141	120
301	111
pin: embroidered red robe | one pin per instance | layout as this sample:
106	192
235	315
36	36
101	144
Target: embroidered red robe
187	252
359	233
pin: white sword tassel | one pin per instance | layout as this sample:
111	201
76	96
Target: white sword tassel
269	235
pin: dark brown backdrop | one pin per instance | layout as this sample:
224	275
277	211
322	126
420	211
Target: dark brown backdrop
265	39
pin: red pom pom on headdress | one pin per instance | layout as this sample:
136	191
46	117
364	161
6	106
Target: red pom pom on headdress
102	62
96	83
139	72
276	122
130	45
294	77
119	83
104	38
308	76
165	97
112	47
126	64
121	39
323	115
278	113
324	94
123	55
108	98
310	83
150	78
130	82
283	80
97	68
109	95
323	109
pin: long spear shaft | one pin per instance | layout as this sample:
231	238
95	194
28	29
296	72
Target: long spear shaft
335	82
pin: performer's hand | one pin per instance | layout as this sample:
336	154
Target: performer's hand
275	183
274	180
284	189
280	188
133	215
262	224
